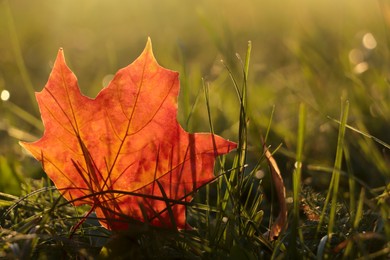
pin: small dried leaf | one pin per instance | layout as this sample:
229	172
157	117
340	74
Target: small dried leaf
280	189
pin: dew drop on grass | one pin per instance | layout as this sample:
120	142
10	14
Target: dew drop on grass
298	165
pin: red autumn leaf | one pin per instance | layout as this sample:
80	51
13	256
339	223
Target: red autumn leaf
127	139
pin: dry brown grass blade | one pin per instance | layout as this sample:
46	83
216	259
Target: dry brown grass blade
280	189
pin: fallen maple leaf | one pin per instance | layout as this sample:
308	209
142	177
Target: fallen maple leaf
124	152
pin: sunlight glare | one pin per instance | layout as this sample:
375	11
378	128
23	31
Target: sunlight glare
5	95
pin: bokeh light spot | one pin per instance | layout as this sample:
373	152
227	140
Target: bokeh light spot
5	95
107	79
369	41
356	56
260	174
360	68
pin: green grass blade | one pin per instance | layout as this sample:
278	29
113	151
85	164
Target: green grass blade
359	211
321	247
337	167
18	55
334	182
169	206
192	110
23	114
375	139
247	60
269	124
207	98
351	182
297	183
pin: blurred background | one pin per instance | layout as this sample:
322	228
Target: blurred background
314	52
